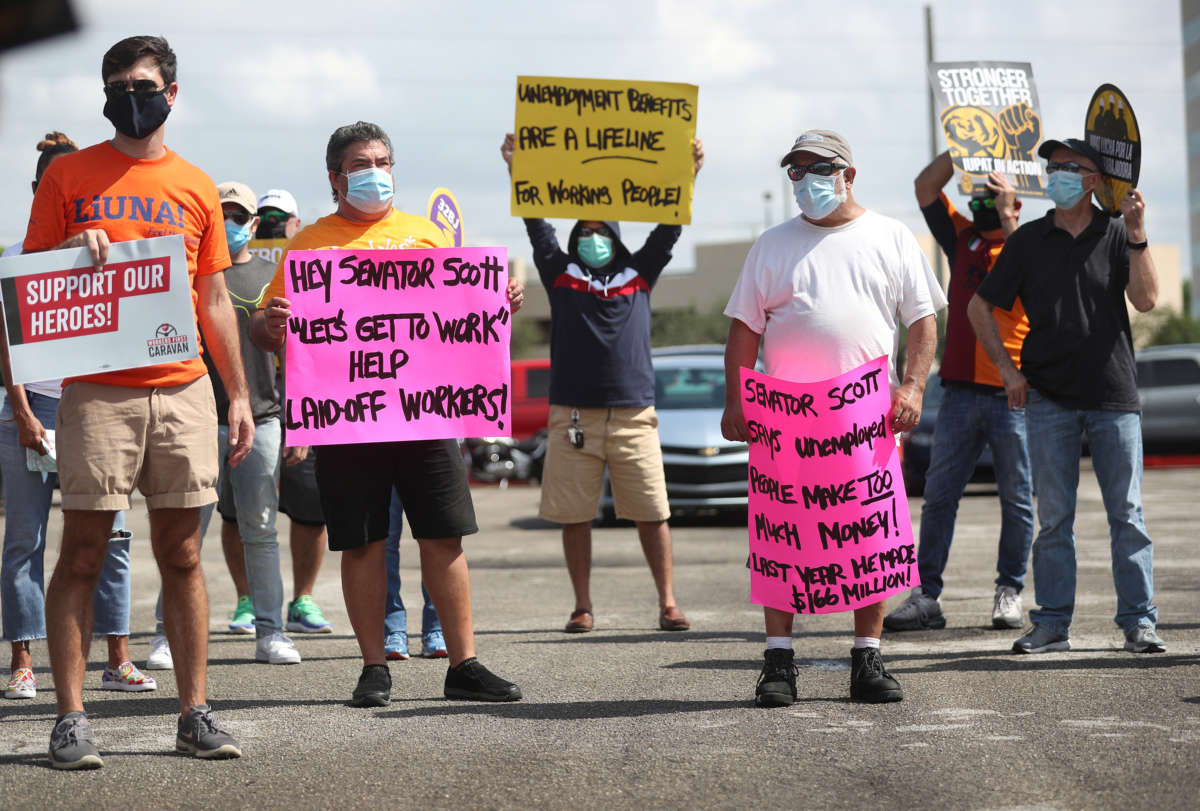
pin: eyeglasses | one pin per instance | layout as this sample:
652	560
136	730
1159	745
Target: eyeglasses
822	168
585	232
980	203
273	215
1068	166
144	88
239	217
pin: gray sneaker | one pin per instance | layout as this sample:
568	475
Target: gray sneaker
72	745
1006	608
1041	640
920	612
1143	639
199	735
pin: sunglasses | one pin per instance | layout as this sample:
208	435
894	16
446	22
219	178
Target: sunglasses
822	168
979	204
239	217
273	215
586	232
143	88
1068	166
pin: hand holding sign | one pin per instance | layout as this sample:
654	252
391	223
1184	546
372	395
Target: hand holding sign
1133	209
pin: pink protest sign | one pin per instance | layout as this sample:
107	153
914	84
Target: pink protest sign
828	518
397	345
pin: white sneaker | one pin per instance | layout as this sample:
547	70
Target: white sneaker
1006	611
160	655
276	649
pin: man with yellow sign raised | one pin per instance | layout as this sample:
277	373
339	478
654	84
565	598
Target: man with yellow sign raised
602	395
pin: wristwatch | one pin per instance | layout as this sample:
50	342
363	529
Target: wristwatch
1137	246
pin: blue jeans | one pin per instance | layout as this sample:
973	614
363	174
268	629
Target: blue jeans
396	620
968	419
27	506
1115	438
250	491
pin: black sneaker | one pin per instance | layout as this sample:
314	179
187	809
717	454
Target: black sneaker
869	681
374	687
472	681
197	734
71	744
777	683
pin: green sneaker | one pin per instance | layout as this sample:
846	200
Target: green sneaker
241	621
304	617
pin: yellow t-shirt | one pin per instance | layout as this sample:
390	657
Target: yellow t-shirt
395	231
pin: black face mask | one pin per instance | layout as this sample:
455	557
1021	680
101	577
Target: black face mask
987	219
137	116
271	229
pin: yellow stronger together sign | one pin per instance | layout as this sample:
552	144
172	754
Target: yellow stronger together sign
602	149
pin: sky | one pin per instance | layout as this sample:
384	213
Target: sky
262	86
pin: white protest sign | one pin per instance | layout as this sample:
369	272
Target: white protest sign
65	318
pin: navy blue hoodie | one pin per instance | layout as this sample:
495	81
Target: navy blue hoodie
600	318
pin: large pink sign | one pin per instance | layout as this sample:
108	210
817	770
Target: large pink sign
828	520
397	345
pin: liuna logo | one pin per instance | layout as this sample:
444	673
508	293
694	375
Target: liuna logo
167	342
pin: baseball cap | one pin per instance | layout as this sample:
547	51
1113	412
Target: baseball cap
826	143
280	199
1075	145
238	193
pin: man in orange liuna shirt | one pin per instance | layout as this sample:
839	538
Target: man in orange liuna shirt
974	412
356	480
153	427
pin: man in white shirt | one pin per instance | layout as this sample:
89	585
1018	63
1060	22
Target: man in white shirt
824	293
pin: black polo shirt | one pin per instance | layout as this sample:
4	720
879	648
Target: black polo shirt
1079	351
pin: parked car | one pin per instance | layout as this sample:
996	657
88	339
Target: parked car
703	469
530	397
1169	389
918	444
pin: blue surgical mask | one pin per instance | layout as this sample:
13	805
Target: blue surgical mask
596	250
237	235
369	190
1065	188
817	196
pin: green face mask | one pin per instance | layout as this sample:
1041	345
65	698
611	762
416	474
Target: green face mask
596	250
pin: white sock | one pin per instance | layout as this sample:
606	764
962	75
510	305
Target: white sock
866	642
779	643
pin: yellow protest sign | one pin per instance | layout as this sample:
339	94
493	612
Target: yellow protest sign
604	149
269	249
1112	130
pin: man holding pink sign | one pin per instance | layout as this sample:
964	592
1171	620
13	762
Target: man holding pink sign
825	293
356	479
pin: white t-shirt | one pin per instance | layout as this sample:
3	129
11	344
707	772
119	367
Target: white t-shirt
827	300
50	388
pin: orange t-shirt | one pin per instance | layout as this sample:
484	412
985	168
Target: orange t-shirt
100	187
964	359
395	231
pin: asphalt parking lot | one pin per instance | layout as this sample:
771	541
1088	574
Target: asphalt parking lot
631	717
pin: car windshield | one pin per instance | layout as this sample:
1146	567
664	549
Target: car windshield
688	387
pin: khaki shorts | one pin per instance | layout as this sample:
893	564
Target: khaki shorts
626	439
111	438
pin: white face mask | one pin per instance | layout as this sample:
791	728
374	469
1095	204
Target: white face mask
817	196
369	190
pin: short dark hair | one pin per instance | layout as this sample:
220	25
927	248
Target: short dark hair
343	137
54	144
131	49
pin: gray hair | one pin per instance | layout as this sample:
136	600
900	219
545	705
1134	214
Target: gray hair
343	137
